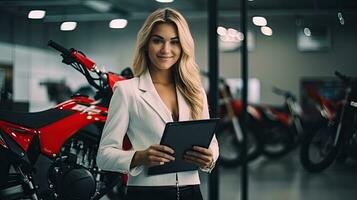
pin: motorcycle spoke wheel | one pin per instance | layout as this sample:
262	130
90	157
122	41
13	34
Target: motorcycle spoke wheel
278	141
228	145
231	149
318	150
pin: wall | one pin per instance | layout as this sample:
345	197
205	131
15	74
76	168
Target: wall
275	60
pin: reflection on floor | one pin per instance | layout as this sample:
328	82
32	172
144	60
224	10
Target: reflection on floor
285	179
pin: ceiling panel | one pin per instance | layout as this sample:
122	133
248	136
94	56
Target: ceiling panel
65	9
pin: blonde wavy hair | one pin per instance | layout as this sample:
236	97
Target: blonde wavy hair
186	71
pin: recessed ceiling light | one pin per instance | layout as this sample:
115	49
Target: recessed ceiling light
340	18
307	32
259	21
36	14
165	1
68	26
221	31
240	36
266	30
232	32
100	6
118	23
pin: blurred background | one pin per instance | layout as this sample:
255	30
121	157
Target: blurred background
294	48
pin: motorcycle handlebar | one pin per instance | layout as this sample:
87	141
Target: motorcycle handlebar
345	79
59	47
284	93
70	55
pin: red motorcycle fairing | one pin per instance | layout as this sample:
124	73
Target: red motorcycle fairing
14	152
326	107
86	112
237	106
22	135
282	117
79	112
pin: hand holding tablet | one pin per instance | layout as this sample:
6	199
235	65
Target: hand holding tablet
182	137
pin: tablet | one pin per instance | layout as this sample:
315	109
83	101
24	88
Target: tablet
182	136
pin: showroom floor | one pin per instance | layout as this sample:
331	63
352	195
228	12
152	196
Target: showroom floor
285	179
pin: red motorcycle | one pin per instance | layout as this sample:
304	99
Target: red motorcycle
229	133
337	139
283	127
52	154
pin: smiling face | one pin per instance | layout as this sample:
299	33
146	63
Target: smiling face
164	48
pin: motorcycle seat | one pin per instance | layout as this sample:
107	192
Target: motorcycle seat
34	120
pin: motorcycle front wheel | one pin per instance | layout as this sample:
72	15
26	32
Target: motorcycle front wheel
352	145
278	141
318	150
230	149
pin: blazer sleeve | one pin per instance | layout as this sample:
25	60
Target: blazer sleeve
214	143
110	155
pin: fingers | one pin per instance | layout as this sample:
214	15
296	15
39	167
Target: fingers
195	160
154	160
158	155
161	154
207	152
161	151
200	156
163	148
196	156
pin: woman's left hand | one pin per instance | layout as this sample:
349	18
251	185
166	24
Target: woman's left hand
200	156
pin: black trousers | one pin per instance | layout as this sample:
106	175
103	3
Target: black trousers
191	192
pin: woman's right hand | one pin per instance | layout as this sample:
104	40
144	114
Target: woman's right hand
154	155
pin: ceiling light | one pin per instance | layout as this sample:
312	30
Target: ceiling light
100	6
307	32
259	21
165	1
340	18
232	32
240	36
68	26
266	30
36	14
221	31
118	23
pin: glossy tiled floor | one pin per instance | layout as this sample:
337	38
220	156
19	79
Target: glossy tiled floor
285	179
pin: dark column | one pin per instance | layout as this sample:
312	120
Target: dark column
213	84
244	63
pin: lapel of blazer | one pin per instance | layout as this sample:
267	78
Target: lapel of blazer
152	98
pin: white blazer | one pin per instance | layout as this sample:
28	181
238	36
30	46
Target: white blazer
137	110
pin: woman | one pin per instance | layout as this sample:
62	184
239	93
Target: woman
166	88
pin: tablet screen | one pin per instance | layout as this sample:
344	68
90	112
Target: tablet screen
182	136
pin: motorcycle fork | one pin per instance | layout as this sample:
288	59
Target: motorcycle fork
227	97
346	104
27	179
295	117
237	129
350	117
